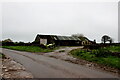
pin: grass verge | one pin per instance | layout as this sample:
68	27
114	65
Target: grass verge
111	61
114	48
28	48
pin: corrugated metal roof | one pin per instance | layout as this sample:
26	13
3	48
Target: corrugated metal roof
67	38
55	37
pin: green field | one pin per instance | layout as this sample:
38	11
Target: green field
101	56
28	48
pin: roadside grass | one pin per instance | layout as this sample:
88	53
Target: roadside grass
28	48
107	60
0	55
114	48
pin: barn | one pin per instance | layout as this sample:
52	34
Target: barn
58	40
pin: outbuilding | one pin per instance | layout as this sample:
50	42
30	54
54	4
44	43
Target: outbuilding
57	40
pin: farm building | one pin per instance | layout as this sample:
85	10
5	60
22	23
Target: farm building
86	41
58	40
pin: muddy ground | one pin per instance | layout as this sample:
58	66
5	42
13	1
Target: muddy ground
12	69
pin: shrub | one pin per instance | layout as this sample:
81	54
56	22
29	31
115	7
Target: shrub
102	52
92	46
7	44
43	46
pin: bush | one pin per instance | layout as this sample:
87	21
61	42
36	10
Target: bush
8	44
92	46
43	46
102	52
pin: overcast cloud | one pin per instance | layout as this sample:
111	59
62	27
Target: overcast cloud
23	21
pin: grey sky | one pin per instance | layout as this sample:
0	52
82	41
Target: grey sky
23	21
119	22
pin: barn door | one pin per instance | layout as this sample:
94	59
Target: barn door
43	41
